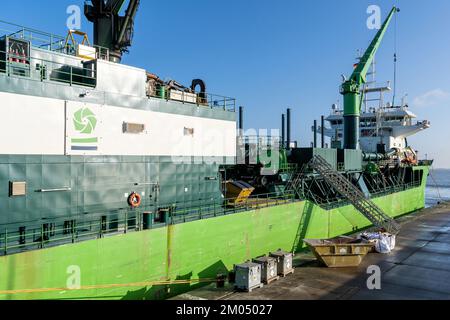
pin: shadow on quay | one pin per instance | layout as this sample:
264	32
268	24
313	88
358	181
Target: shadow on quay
163	292
418	269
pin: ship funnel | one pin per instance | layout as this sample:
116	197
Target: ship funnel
322	131
283	129
315	133
288	133
241	121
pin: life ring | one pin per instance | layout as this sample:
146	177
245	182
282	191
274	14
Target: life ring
134	200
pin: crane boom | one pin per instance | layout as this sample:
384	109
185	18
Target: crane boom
115	6
351	89
359	74
111	30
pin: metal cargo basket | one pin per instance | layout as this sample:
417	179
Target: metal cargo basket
247	276
284	261
269	269
340	252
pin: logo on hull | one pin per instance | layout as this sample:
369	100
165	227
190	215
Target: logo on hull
85	123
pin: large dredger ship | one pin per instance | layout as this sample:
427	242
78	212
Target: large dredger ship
115	184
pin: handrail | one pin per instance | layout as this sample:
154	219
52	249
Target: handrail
267	140
56	43
328	205
48	70
126	220
88	78
213	101
29	29
54	190
45	40
46	233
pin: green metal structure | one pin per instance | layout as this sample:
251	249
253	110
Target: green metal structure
173	258
111	30
351	89
67	227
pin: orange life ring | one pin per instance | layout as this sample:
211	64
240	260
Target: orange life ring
134	200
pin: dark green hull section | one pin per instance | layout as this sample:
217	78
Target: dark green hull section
98	184
189	251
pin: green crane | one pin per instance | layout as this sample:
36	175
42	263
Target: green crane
351	88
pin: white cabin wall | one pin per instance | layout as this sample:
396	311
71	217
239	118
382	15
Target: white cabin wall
33	125
120	79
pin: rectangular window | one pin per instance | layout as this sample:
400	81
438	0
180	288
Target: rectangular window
133	128
189	132
17	189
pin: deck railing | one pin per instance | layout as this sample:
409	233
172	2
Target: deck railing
44	40
338	203
46	70
73	229
70	74
205	99
38	39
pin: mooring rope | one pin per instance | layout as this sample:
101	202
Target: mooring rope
109	286
436	185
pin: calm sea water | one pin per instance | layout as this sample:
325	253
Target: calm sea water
438	187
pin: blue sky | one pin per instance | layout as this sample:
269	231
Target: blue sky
274	54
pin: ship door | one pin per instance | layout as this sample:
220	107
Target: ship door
151	208
154	195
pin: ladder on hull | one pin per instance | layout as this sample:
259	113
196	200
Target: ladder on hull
356	197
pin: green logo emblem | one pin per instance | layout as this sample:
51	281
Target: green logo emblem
85	121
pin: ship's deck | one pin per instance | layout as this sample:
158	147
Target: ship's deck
419	268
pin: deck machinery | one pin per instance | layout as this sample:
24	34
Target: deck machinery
111	30
110	169
371	172
351	88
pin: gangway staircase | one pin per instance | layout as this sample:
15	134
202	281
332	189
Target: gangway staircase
356	197
294	187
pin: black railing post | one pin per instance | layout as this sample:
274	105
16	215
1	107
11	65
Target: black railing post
101	227
6	242
42	236
126	222
322	131
73	230
138	221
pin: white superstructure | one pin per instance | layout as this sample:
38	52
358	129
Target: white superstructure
46	126
387	127
383	127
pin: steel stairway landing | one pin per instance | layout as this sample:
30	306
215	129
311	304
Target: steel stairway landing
356	197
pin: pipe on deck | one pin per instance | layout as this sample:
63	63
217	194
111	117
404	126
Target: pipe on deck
241	120
288	133
322	132
370	156
315	134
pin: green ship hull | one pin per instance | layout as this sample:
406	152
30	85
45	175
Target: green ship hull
163	262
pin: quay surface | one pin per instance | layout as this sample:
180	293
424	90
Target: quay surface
418	269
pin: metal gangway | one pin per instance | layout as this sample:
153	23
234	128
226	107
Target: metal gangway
356	197
294	186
